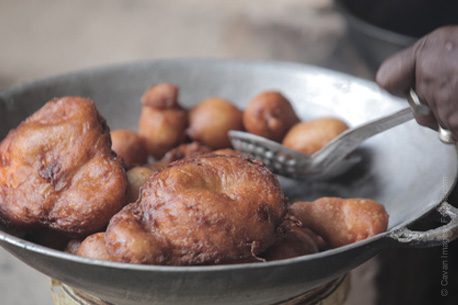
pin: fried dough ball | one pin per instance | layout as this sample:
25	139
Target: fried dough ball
57	170
93	246
192	149
210	121
195	149
130	146
227	152
136	177
202	210
269	115
342	221
309	137
162	120
156	165
317	239
296	241
162	96
73	246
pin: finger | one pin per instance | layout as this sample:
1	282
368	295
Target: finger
453	125
446	117
437	75
397	73
443	106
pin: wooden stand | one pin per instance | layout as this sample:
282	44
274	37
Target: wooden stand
332	293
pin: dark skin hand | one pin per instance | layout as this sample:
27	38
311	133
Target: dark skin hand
431	67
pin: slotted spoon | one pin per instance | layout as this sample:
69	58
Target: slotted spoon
333	159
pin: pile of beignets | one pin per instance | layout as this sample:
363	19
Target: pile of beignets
175	192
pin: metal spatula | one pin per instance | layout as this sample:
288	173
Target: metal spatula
333	159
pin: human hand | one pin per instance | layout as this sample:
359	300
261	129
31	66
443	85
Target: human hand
431	67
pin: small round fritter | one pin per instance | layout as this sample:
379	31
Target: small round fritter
73	246
205	210
342	221
93	247
57	170
270	115
296	241
192	149
162	121
136	178
155	166
162	96
130	146
309	137
227	152
210	121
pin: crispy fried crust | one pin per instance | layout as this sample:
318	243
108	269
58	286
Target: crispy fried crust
130	146
162	96
136	177
295	241
93	246
205	210
227	152
162	121
210	121
342	221
192	149
57	170
270	115
73	246
309	137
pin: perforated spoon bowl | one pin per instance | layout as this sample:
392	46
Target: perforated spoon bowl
333	159
329	162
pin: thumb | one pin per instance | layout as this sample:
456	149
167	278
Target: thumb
397	76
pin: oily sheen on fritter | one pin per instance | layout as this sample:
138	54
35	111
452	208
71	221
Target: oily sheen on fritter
342	221
57	170
205	210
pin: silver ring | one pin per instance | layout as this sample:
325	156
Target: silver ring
421	108
417	105
446	136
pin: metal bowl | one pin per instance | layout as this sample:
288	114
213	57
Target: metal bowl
406	168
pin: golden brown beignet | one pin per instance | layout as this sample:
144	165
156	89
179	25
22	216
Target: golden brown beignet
136	178
130	146
162	120
295	241
309	137
93	246
342	221
192	149
155	166
73	246
210	121
162	96
203	210
317	239
227	152
57	170
269	115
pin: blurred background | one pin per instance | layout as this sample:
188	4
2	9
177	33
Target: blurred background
48	37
